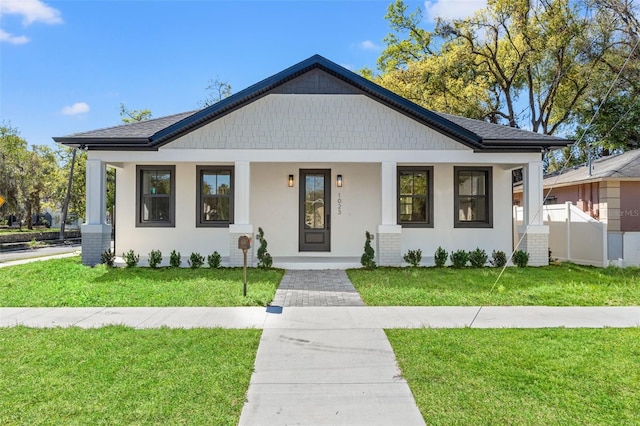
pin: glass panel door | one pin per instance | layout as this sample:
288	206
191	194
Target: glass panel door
315	206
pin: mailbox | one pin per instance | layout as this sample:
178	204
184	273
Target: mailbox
244	242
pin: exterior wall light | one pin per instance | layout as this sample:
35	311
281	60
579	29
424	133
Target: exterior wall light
290	181
339	181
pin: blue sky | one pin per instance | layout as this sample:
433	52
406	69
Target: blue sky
65	66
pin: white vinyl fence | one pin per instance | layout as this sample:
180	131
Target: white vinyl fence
574	236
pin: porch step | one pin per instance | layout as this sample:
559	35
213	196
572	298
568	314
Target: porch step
316	262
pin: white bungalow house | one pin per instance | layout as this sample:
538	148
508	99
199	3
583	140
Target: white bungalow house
315	155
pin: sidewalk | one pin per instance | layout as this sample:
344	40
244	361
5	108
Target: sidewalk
327	318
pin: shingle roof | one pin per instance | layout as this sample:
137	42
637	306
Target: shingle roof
152	134
619	166
490	132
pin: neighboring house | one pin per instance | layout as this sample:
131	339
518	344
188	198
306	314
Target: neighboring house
315	155
609	191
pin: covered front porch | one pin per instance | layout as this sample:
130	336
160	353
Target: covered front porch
272	194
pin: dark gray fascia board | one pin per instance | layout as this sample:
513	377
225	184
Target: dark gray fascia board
104	144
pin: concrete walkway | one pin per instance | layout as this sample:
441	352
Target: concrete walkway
322	369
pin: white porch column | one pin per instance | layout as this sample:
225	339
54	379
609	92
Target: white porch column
534	234
389	232
241	204
96	233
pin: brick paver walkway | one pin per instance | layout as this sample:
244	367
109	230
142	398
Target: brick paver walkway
316	288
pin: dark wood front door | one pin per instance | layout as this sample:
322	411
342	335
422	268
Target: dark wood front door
315	210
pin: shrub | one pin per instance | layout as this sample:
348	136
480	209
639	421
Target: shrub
196	260
459	258
155	258
413	257
214	260
368	257
520	258
440	257
264	258
131	258
498	259
175	260
108	257
478	258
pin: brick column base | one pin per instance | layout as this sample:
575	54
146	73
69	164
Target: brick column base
536	243
96	239
388	248
236	257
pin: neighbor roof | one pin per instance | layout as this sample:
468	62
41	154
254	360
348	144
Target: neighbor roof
619	166
152	134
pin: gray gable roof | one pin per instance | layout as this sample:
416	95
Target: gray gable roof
152	134
619	166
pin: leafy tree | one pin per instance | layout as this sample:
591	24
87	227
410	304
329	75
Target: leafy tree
13	148
134	115
543	52
29	179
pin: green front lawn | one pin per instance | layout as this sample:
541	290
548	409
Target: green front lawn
118	375
556	285
66	282
522	377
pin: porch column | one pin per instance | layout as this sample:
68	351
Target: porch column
241	204
96	233
389	232
533	233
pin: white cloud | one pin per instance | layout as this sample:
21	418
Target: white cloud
10	38
77	108
452	9
31	11
368	45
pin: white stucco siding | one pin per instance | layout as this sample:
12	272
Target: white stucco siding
355	208
315	122
185	237
444	234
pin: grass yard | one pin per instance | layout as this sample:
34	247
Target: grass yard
119	375
523	377
555	285
66	282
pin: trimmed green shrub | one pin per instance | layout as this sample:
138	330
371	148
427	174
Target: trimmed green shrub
155	258
459	258
520	258
498	259
108	258
175	260
440	257
478	258
413	257
196	260
367	260
131	258
264	258
214	260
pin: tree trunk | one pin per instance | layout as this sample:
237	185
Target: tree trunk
65	205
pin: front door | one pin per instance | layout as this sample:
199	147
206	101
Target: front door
315	210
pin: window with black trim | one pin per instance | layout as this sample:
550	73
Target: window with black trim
215	195
155	196
473	197
415	196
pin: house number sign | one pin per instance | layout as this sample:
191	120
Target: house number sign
339	203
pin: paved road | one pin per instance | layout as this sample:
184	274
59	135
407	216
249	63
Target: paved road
8	258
